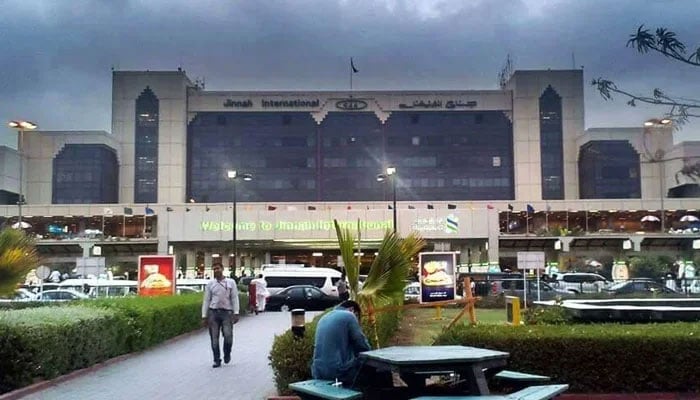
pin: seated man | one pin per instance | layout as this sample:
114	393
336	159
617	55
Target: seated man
339	340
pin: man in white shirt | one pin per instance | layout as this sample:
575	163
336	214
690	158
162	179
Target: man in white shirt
220	310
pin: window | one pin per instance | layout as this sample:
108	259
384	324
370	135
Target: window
85	173
146	149
551	145
609	169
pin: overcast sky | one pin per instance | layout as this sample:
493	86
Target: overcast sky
56	56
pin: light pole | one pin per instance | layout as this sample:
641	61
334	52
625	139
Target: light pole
21	126
658	157
233	176
391	174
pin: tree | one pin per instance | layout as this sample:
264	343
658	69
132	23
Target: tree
18	256
387	273
666	43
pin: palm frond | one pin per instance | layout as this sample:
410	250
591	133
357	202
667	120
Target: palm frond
18	256
346	242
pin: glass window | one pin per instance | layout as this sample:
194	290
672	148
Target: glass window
609	169
146	148
85	174
551	145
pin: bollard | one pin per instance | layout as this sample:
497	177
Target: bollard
298	321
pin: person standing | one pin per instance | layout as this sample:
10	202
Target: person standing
220	309
261	292
338	342
342	286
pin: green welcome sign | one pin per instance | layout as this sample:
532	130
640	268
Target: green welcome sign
291	226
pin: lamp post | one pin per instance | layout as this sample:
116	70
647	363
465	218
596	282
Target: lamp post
391	174
658	157
233	176
21	126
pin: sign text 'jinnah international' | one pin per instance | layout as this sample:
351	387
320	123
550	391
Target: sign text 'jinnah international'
290	226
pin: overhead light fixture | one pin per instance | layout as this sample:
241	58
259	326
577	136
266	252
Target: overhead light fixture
317	254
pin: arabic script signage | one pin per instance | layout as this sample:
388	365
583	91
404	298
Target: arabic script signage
450	104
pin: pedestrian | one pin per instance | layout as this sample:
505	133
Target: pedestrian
220	310
342	286
339	340
252	306
261	293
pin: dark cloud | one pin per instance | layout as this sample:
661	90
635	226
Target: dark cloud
57	57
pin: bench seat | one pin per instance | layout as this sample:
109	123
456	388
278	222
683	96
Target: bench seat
322	389
543	392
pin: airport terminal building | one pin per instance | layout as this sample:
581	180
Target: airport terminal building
484	173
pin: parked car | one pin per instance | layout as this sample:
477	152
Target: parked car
61	295
308	297
639	286
20	294
186	290
580	282
411	293
546	291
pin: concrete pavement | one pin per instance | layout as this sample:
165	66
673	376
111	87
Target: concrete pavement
182	369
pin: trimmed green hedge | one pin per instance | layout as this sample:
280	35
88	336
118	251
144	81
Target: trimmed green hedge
45	342
596	357
290	357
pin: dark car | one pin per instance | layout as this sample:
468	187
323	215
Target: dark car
308	297
642	287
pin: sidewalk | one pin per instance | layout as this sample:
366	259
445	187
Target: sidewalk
182	369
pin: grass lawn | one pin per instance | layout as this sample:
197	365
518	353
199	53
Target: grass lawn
419	326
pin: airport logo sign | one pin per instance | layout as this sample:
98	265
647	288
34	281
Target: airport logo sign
351	104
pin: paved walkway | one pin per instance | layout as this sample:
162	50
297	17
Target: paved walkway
182	369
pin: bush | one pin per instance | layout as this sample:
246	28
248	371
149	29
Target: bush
596	357
547	316
45	342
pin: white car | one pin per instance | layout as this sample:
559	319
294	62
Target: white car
580	282
21	294
61	295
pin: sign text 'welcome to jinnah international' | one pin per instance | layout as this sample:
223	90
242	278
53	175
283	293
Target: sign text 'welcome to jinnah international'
291	226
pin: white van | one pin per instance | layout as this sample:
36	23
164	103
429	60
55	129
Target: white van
279	278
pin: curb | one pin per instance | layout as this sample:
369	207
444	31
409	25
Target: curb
41	385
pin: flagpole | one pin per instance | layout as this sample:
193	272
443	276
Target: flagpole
351	74
103	224
124	225
508	221
527	222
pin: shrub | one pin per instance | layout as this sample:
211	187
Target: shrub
596	357
47	342
547	316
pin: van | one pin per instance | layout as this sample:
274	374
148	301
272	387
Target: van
279	278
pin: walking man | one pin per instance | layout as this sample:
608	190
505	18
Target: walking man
220	310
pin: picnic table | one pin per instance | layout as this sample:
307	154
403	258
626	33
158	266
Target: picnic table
466	366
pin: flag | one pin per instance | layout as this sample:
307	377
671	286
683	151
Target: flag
430	207
510	207
168	209
411	207
271	208
390	206
451	206
207	208
187	209
149	211
489	207
128	211
291	208
349	207
107	211
311	208
530	209
352	66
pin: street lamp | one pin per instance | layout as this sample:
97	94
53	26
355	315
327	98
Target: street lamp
234	176
657	157
21	126
391	174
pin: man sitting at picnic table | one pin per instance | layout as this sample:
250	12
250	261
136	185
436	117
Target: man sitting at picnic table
339	340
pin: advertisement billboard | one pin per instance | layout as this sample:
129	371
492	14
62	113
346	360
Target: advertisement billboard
156	275
437	276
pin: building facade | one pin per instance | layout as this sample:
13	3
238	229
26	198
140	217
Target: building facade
467	161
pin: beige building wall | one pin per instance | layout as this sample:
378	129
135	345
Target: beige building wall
170	87
527	87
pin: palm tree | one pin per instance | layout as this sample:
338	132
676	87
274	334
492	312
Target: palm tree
18	256
387	274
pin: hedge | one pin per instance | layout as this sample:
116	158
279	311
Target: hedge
45	342
596	357
290	357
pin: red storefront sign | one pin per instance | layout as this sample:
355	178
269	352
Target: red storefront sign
156	275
